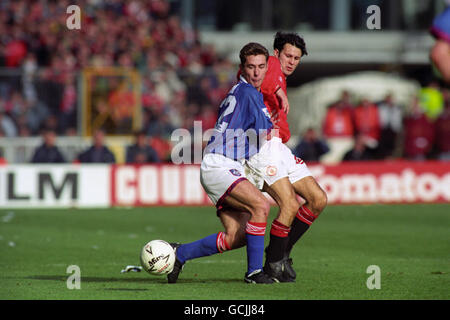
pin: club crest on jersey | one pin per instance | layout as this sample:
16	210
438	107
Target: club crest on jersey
271	170
298	160
235	172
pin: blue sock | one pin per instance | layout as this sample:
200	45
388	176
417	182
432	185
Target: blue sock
197	249
255	252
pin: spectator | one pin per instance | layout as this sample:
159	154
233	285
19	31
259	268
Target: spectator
15	52
419	133
7	126
367	121
3	160
159	124
442	127
99	152
431	100
163	147
67	109
141	151
361	151
29	68
208	117
311	147
29	113
339	119
48	152
391	123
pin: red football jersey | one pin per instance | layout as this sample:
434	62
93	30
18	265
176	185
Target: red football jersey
273	81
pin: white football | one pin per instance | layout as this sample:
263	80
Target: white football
158	257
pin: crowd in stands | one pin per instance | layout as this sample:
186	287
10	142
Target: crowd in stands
183	80
384	129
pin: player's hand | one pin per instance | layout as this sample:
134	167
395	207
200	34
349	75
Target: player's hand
285	105
274	117
283	100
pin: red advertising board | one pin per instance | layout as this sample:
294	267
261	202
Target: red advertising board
156	185
385	182
345	183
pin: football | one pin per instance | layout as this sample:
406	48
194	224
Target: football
158	257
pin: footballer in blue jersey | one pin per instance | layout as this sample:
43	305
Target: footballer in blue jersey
242	209
440	52
242	125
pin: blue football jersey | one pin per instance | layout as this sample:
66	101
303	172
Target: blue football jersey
242	123
441	26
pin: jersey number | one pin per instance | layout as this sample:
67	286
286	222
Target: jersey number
228	105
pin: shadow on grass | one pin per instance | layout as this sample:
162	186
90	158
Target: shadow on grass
152	280
96	279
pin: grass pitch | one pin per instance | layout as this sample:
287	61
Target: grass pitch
409	243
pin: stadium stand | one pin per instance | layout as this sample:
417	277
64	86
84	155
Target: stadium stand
182	80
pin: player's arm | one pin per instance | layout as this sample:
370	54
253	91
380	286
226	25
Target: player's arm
284	103
282	97
273	84
440	55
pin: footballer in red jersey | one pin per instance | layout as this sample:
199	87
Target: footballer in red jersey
274	90
288	50
285	230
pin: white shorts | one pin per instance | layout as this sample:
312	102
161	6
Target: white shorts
267	165
273	162
219	175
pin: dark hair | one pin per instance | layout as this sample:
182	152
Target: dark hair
138	133
281	38
252	49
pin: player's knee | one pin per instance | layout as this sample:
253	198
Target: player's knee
261	209
294	205
319	202
290	206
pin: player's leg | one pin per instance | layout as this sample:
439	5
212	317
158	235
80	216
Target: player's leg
232	237
240	229
315	202
234	223
219	176
224	182
283	193
268	166
235	236
246	197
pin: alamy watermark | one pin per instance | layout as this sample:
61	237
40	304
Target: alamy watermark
74	280
189	146
374	20
73	22
374	280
